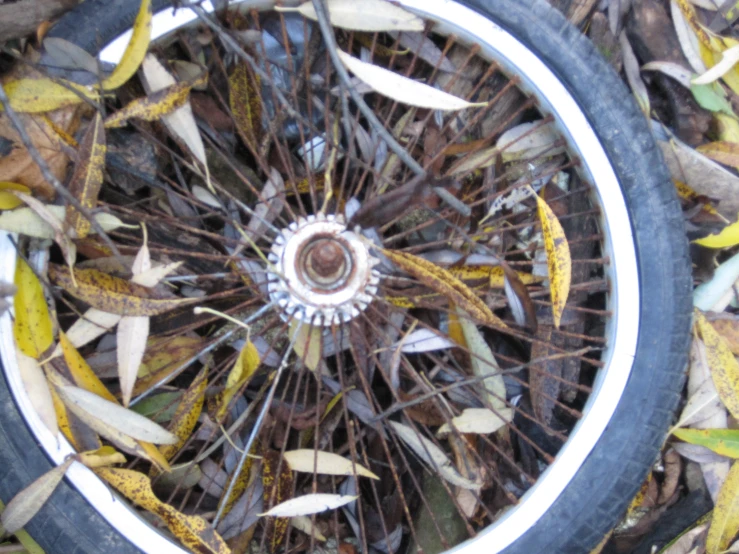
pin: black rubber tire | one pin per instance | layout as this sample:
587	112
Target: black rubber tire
623	455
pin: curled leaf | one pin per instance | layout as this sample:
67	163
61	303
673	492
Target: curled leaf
559	263
135	51
152	107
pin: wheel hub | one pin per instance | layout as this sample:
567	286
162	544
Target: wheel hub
323	273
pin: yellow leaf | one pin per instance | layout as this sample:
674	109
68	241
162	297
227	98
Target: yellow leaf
723	152
163	356
727	127
559	262
245	100
135	51
9	201
88	176
102	457
193	531
725	520
442	281
62	419
729	236
187	413
85	378
242	481
152	107
32	328
722	364
277	489
111	294
242	371
308	343
44	95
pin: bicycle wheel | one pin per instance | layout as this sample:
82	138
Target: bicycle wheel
585	404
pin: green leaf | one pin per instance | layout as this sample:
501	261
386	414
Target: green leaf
721	441
712	97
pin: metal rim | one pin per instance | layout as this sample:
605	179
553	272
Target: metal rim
623	327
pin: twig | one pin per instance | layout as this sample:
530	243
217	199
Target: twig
51	178
330	40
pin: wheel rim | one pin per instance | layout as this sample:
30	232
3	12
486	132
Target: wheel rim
623	301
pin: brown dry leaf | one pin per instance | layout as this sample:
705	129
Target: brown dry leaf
193	531
519	300
242	482
725	520
246	103
29	501
278	487
187	413
32	327
111	294
154	106
163	356
19	167
442	281
723	364
84	377
559	263
88	176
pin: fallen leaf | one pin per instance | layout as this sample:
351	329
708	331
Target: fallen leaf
631	69
527	141
304	524
111	414
309	504
131	334
722	441
729	57
111	294
29	501
367	15
722	363
152	107
32	96
729	330
68	248
265	212
135	50
559	263
519	300
423	47
181	122
725	519
481	421
484	364
32	327
729	236
68	55
432	455
442	281
403	89
88	176
9	201
307	343
324	463
277	480
246	103
193	531
242	371
424	340
37	389
102	457
26	222
187	413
